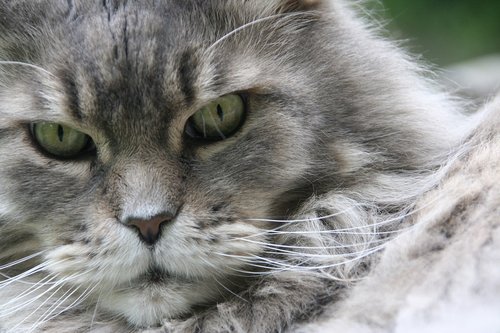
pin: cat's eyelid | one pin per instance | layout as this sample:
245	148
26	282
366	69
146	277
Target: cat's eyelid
71	124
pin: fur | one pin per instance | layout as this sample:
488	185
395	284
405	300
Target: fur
441	275
344	136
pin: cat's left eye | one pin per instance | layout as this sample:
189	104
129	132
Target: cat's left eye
60	140
219	119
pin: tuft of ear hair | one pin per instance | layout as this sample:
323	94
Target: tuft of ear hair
299	5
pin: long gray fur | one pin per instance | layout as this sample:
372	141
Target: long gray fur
343	133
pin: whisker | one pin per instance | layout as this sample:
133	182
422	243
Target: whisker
31	271
249	273
54	306
307	219
257	21
250	262
58	284
23	275
281	265
409	213
230	291
344	246
24	64
33	288
312	255
337	232
20	281
264	232
32	300
250	259
94	314
20	261
370	225
86	293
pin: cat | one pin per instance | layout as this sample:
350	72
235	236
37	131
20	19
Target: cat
205	166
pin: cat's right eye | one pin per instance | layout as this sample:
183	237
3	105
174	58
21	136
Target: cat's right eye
60	140
219	119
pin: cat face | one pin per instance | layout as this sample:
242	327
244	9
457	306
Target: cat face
112	166
147	148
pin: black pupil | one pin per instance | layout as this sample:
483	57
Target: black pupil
220	113
60	133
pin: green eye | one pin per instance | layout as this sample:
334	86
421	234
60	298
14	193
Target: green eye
60	140
219	119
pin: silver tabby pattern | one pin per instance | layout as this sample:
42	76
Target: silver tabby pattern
343	133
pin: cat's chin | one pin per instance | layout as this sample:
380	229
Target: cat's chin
155	296
156	276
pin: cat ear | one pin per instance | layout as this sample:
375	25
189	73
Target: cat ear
299	5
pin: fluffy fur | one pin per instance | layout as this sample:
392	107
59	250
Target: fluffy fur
442	274
344	135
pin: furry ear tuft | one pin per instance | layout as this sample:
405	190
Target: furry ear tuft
299	5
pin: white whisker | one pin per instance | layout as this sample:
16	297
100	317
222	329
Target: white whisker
24	64
337	232
326	247
20	261
257	21
34	270
54	306
306	219
281	265
23	275
293	254
33	288
230	291
83	296
94	314
31	301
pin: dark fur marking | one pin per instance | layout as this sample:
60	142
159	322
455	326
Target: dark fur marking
299	5
218	207
215	221
9	239
294	197
105	5
99	241
213	239
187	75
72	14
111	8
73	96
449	229
116	54
67	241
125	39
4	133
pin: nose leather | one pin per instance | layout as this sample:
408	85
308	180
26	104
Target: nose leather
150	228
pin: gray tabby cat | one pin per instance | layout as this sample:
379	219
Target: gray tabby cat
203	165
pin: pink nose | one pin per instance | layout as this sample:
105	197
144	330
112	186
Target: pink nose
150	228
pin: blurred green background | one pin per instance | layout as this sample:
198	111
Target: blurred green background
444	31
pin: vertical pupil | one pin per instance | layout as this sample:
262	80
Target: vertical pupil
60	133
220	113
